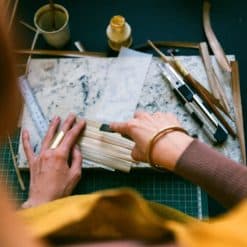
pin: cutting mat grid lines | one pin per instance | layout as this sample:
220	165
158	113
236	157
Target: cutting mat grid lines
8	175
164	188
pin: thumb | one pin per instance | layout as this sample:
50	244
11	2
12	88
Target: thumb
121	128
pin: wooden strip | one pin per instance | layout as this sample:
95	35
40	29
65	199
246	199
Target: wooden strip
213	80
236	93
214	43
113	138
94	136
107	148
103	159
106	160
93	131
208	68
162	55
60	53
177	44
222	92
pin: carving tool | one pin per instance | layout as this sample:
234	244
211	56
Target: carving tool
195	105
203	93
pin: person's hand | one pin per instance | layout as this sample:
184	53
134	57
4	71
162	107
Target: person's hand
52	176
144	126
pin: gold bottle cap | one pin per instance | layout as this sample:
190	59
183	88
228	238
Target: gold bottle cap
117	22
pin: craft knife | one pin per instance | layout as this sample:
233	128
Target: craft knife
194	104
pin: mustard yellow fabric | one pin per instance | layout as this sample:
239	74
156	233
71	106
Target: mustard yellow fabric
124	214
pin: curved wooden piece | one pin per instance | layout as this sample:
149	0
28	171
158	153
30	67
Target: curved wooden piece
214	43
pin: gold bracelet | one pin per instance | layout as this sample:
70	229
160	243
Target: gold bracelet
156	137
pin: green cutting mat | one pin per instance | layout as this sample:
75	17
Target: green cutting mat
164	188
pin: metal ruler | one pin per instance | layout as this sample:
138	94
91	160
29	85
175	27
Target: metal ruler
40	121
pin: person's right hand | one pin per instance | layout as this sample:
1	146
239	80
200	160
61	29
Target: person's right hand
144	126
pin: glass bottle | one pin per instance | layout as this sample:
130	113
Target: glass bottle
118	33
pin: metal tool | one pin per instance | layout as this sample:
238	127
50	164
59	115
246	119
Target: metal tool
194	104
40	121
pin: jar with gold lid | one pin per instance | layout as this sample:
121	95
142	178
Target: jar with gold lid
118	33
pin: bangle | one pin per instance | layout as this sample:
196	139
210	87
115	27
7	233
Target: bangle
156	137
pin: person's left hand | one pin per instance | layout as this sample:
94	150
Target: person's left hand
51	175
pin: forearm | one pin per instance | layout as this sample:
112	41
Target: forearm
175	151
222	178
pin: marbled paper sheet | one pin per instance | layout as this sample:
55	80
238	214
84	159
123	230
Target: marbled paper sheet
123	84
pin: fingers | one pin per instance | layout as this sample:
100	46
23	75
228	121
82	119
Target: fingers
121	128
126	128
75	170
141	115
27	147
50	133
76	163
68	123
71	136
159	115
